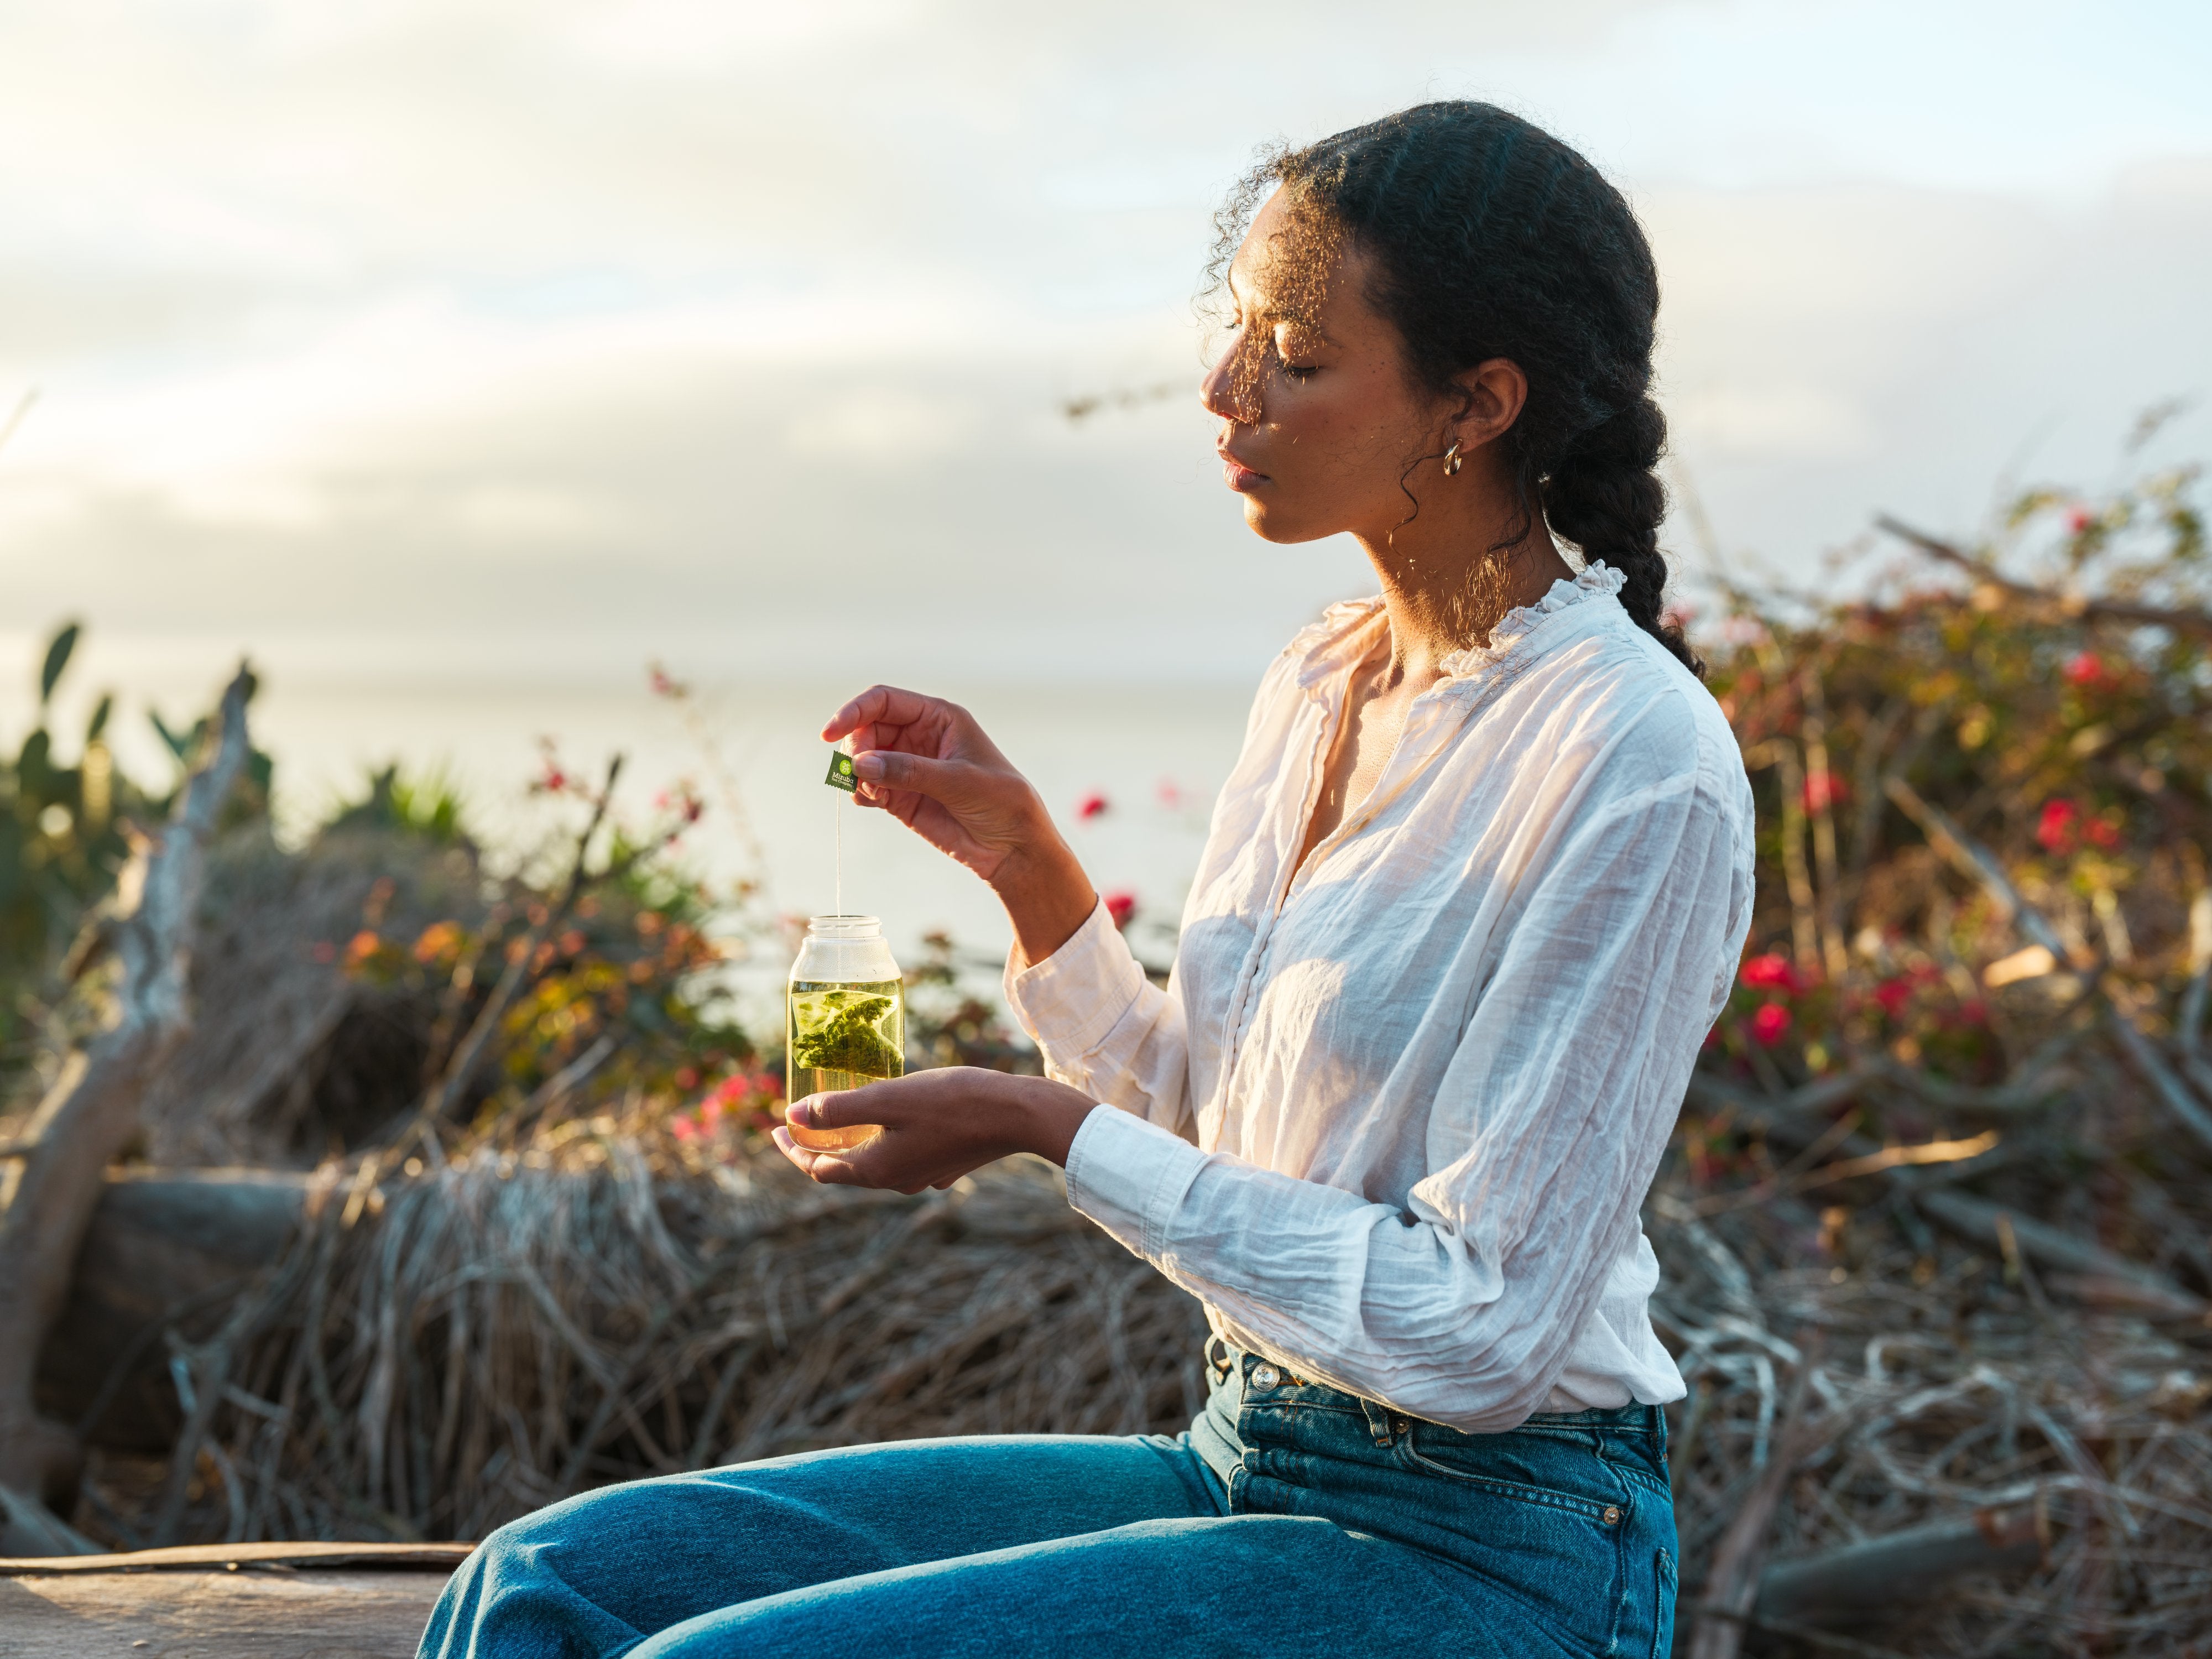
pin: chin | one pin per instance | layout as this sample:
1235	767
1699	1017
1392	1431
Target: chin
1277	526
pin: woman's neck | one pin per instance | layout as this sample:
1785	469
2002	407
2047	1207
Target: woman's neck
1446	589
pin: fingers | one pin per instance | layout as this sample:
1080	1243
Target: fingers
886	768
880	705
824	1167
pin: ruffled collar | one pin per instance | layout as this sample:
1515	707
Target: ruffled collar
1596	579
1326	645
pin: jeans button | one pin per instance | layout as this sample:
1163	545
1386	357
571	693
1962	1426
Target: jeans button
1265	1376
1612	1514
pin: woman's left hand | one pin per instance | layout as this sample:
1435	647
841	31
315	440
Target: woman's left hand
938	1126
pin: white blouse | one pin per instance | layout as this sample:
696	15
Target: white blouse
1393	1118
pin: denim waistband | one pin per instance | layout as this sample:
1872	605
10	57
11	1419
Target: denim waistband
1386	1422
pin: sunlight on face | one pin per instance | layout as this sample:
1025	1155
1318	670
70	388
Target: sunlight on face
1320	419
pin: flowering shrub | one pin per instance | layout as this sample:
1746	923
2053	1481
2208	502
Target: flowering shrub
2022	705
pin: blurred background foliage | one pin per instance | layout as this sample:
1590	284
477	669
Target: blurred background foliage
2038	705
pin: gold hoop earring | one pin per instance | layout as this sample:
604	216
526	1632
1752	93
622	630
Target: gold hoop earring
1451	459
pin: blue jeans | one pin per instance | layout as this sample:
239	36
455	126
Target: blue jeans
1288	1520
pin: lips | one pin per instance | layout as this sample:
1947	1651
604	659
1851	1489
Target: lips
1237	476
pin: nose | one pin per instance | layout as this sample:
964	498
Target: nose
1217	388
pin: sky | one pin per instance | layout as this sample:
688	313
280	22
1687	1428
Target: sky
499	344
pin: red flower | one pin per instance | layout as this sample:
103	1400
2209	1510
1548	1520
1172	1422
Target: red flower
1770	972
1892	994
1824	790
2057	829
1768	1024
1121	907
1093	806
2085	668
2104	833
686	1078
2077	521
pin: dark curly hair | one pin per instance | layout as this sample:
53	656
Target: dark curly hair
1489	238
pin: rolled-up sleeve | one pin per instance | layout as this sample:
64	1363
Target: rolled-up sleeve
1549	1121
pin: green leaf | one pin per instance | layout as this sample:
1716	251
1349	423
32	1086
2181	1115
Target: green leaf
57	656
180	744
100	717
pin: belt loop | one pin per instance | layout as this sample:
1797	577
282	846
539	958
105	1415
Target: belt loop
1378	1420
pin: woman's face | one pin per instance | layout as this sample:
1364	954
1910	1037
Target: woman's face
1319	418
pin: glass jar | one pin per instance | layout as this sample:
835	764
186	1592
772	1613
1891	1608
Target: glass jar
845	1020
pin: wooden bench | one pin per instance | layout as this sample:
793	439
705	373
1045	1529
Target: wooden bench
225	1602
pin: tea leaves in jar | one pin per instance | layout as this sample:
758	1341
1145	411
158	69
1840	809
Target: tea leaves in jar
842	1035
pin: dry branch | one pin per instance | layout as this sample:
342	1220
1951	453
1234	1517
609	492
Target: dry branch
47	1190
2067	606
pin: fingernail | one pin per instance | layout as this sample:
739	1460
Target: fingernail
869	766
803	1110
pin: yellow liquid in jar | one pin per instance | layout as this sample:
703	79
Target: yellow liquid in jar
841	1036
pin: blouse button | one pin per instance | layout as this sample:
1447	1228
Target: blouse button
1612	1515
1266	1377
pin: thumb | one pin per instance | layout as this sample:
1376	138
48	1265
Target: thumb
940	780
837	1108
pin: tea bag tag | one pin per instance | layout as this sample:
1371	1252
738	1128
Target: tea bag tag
840	773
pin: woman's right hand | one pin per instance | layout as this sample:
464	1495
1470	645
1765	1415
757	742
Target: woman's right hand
928	763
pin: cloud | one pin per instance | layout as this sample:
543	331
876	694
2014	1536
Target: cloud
624	327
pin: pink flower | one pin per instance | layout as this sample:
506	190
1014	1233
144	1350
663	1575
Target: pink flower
1770	972
2077	521
2086	668
1170	794
1768	1024
710	1114
2056	828
1093	806
683	1128
1121	906
1824	790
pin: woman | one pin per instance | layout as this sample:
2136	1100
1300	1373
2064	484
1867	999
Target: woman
1472	897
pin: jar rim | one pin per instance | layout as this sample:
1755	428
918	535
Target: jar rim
842	926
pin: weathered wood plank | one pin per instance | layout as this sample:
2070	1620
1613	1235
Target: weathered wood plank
203	1557
251	1613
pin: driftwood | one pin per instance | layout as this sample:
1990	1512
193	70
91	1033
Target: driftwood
1864	1585
284	1609
166	1256
50	1181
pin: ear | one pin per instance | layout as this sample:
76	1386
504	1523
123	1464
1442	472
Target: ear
1495	392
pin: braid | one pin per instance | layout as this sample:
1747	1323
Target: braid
1605	497
1489	238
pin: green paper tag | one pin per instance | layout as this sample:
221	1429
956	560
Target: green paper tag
840	773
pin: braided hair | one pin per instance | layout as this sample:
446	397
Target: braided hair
1489	238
